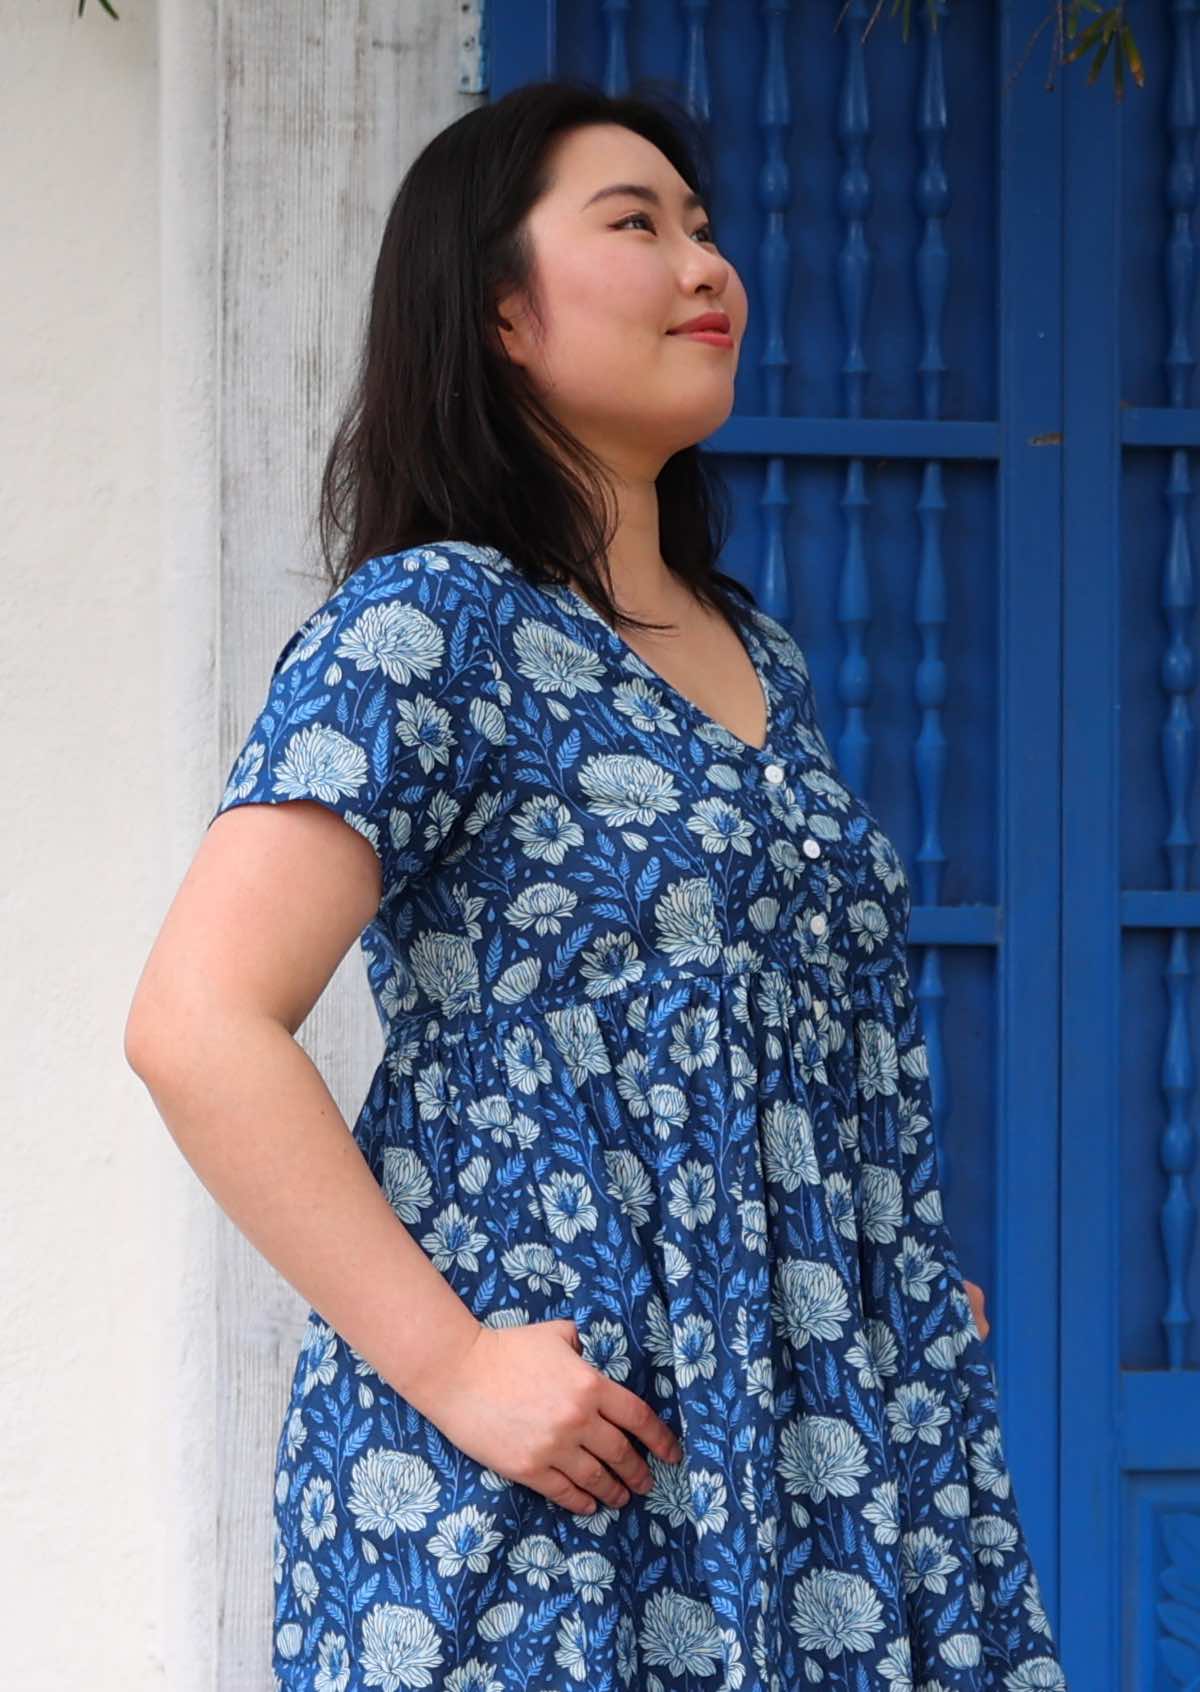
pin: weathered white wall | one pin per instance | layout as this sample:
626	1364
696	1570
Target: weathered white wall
193	196
84	836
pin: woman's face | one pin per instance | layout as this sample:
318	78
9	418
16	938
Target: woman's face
615	274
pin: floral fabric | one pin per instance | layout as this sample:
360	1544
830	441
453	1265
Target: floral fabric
652	1060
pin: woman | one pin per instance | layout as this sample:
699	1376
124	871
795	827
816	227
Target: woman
670	1376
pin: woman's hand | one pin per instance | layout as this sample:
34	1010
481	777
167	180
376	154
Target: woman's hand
525	1403
975	1294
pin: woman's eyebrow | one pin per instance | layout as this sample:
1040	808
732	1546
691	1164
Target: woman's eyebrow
639	191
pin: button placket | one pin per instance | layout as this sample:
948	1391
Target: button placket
775	774
824	864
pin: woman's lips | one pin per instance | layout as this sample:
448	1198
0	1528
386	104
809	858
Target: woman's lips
714	337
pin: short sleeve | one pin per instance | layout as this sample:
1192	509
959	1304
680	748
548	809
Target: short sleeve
384	707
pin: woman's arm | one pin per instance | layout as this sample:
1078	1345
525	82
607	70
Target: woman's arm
234	972
275	897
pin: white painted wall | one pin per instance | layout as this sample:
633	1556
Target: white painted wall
193	196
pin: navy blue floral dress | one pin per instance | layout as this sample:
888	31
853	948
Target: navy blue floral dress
652	1061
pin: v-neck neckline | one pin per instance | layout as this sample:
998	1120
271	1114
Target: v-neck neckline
619	644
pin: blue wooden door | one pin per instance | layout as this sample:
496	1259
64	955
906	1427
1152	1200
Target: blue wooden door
960	465
1130	1439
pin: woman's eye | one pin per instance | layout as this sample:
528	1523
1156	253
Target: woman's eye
646	218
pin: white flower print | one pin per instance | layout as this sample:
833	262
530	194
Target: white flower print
318	762
591	1575
533	1266
695	1350
567	1203
836	1612
399	1646
333	1663
883	1512
721	827
622	789
630	1185
694	1042
453	1240
679	1634
686	923
789	1146
917	1412
318	1518
926	1559
988	1465
525	1061
426	727
406	1183
882	1203
874	1355
544	829
544	908
538	1560
317	1364
707	1501
606	1347
396	637
693	1193
465	1539
812	1301
877	1064
645	707
305	1585
554	663
867	922
611	964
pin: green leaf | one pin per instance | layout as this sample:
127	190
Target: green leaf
1077	7
1089	38
1136	69
1098	61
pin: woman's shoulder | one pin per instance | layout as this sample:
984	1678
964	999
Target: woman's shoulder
447	585
384	705
430	572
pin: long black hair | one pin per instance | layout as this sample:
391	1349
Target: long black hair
439	439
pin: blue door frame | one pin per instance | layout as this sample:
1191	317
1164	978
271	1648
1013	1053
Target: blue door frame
960	473
1130	1428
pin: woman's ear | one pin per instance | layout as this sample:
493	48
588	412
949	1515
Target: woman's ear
507	326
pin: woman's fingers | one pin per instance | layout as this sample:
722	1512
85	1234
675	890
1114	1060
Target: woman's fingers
975	1294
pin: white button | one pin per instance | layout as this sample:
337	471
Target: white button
810	848
774	772
818	924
